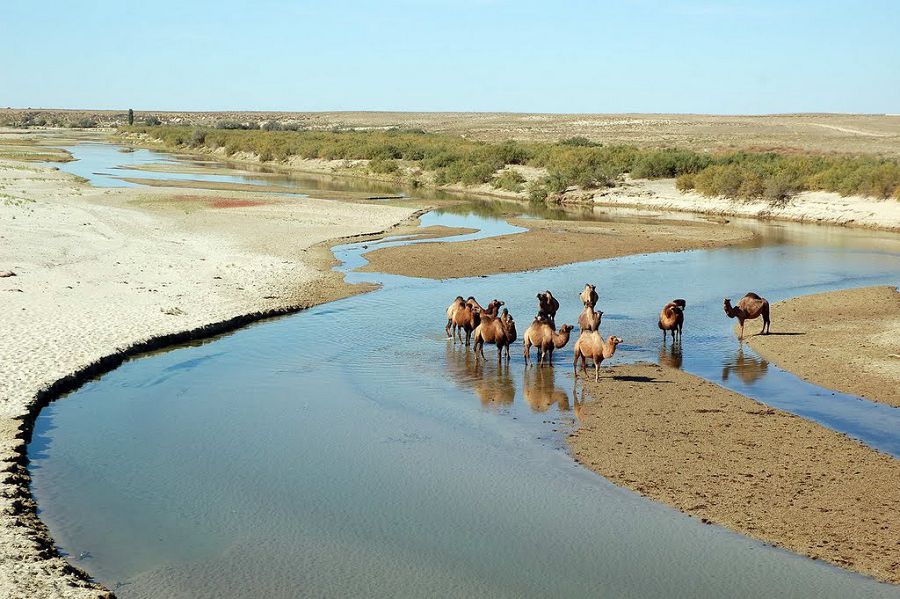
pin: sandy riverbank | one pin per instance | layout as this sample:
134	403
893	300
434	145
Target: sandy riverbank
550	243
845	340
730	460
817	207
100	272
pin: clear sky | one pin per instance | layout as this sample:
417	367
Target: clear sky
750	56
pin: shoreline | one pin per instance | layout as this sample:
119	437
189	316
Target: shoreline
842	340
727	459
31	564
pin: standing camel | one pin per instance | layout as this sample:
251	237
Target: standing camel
591	345
589	320
548	306
458	303
469	316
499	331
751	306
671	318
589	295
542	336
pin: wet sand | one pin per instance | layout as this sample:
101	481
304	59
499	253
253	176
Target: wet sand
549	243
99	274
730	460
848	341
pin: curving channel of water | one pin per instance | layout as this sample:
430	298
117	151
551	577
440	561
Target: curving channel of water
351	450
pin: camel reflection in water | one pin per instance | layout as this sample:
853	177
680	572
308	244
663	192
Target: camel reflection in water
747	368
541	392
494	385
671	356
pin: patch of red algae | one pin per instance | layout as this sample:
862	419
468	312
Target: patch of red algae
232	203
221	202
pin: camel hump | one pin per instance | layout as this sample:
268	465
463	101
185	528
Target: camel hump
752	295
680	303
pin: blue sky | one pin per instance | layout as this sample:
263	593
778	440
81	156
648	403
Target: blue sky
488	55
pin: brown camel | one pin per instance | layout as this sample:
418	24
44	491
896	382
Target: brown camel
591	345
751	306
458	303
498	331
548	306
541	335
671	318
589	320
589	296
469	316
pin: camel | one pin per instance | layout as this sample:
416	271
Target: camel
542	335
589	296
470	315
458	303
499	331
751	306
589	320
591	345
548	306
671	318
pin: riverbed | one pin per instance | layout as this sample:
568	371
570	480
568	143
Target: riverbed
351	449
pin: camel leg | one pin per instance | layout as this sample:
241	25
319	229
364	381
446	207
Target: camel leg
527	352
742	330
575	364
584	364
596	371
550	356
766	321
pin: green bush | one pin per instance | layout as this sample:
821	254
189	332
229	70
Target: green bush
572	162
383	166
579	141
508	179
152	121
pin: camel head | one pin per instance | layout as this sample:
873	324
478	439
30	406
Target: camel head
680	303
614	341
566	328
726	304
460	299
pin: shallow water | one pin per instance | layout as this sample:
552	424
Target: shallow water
107	165
351	450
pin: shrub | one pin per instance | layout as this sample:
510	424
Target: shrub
198	137
537	193
685	182
508	179
85	123
579	142
383	166
152	121
272	126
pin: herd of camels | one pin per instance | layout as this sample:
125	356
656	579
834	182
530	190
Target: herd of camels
490	325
